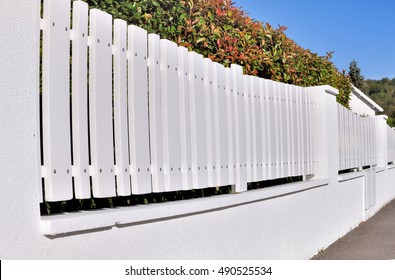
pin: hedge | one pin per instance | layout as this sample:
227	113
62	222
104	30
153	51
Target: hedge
225	33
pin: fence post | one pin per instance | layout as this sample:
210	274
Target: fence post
19	121
326	132
381	140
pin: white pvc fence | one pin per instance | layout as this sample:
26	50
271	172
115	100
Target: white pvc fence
148	116
143	115
357	140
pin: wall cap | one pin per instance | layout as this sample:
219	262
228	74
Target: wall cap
328	89
83	221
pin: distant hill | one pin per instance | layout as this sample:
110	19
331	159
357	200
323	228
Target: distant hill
383	93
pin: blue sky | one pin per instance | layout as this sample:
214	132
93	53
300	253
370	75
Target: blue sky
363	30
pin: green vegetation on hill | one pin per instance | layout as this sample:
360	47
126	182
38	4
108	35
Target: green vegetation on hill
226	34
383	93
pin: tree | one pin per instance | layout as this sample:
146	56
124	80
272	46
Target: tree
356	78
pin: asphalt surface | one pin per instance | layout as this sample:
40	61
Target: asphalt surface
371	240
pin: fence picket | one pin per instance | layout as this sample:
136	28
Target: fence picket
120	109
185	121
247	127
100	104
210	126
230	99
310	144
222	126
305	134
275	130
240	131
155	113
284	129
269	128
170	115
314	127
280	127
257	130
293	132
198	121
56	100
80	143
288	116
138	110
264	116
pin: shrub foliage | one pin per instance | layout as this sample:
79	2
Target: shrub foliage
226	34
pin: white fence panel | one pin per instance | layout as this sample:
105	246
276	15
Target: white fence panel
162	118
155	113
100	104
357	142
80	145
341	136
120	109
138	110
170	115
374	143
368	142
352	139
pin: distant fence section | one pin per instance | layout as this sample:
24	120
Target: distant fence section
143	115
391	144
357	140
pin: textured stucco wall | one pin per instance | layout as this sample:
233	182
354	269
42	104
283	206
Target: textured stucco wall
290	227
385	189
19	177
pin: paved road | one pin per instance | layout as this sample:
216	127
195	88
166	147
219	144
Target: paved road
372	240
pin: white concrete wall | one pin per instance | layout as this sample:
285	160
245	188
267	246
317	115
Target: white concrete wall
360	107
19	149
294	226
385	189
291	226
